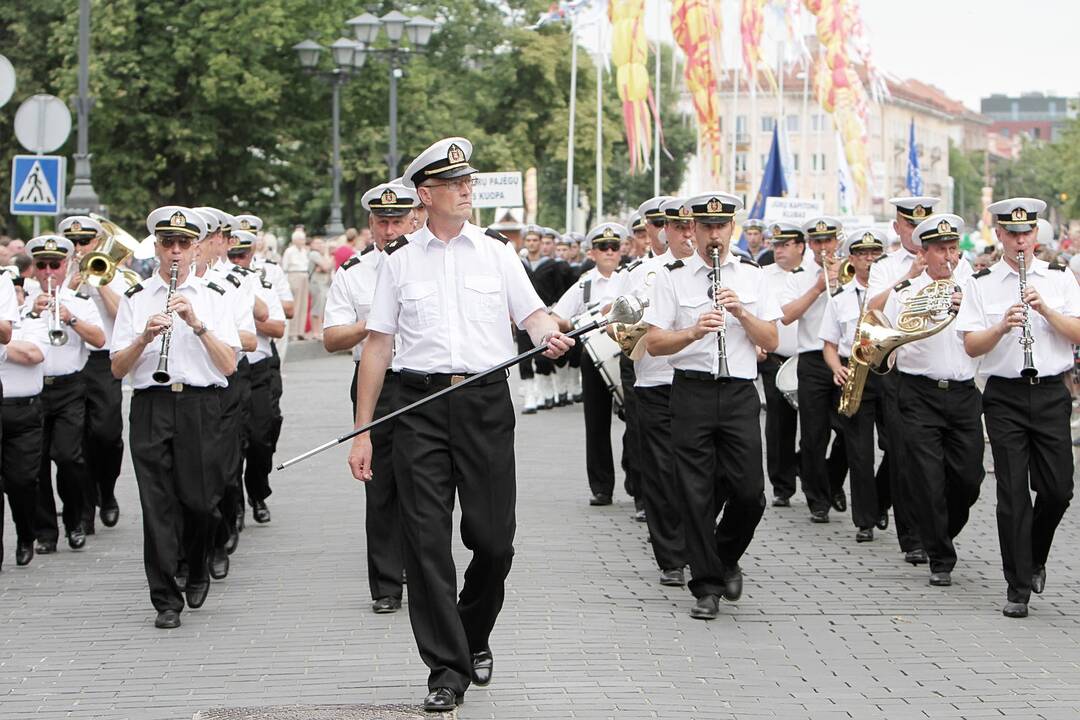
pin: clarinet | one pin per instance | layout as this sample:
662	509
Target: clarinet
161	375
1026	340
721	334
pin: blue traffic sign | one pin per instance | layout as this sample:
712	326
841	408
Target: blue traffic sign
37	186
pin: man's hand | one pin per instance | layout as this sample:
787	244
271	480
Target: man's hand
65	314
155	325
917	267
709	322
182	307
1035	301
731	302
840	375
360	458
1013	318
41	304
558	345
957	298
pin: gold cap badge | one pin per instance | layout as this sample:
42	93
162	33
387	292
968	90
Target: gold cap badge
918	211
944	227
713	206
50	244
389	197
684	211
454	154
1019	215
245	225
608	233
821	226
869	238
75	227
178	219
777	230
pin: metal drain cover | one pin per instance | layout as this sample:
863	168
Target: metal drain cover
322	712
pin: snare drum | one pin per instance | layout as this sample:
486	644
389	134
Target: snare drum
787	381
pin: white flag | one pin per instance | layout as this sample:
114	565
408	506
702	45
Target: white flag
845	191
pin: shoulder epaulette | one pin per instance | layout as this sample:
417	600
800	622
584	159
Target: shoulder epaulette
267	286
216	288
901	285
982	273
270	262
674	265
881	257
233	279
799	269
354	260
242	270
1057	266
747	261
629	267
497	235
82	295
368	249
130	292
395	245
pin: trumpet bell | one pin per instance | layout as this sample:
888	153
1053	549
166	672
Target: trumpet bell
631	339
99	267
846	273
627	309
58	337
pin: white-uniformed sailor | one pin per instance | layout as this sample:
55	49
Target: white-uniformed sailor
175	426
653	215
869	490
446	294
390	209
595	290
77	325
104	446
270	270
903	263
1026	406
715	420
652	392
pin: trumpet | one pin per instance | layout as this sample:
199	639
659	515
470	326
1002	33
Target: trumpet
161	374
1026	340
721	334
824	261
57	334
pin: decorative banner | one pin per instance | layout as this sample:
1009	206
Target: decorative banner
697	26
629	53
751	25
793	210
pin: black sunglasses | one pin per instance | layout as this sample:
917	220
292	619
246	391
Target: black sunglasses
601	246
658	222
51	264
82	240
183	242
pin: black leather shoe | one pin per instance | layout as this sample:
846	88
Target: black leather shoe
941	579
883	521
219	564
839	502
819	516
76	538
442	700
864	535
673	577
45	547
1014	610
779	501
260	512
733	584
195	593
1038	580
24	553
110	513
916	557
167	619
482	665
385	605
600	499
706	608
232	541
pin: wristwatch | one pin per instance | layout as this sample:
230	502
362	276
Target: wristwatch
71	322
201	331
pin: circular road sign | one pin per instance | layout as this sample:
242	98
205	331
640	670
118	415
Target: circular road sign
42	123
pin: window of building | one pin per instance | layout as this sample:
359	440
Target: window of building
822	162
767	123
764	159
740	162
793	123
740	124
817	122
795	162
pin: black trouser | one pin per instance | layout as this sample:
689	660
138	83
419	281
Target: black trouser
63	415
262	420
524	344
597	405
943	426
905	517
631	439
462	442
663	500
781	424
20	461
1029	434
857	433
177	452
716	433
275	391
818	397
103	441
382	519
234	401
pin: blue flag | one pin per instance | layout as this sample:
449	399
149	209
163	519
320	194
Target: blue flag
914	177
773	183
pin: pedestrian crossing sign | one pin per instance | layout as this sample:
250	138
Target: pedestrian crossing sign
37	184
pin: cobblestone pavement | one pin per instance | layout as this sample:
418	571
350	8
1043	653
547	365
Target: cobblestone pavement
825	628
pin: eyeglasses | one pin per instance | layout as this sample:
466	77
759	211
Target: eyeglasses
606	246
51	264
658	222
83	240
168	242
456	184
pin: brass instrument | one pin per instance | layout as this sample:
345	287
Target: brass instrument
721	334
847	272
852	390
57	334
824	261
631	337
1026	340
100	266
161	375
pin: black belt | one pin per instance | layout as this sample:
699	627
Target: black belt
435	381
1037	380
29	400
178	388
939	384
99	353
386	376
706	377
62	379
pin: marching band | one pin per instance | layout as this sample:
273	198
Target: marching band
909	353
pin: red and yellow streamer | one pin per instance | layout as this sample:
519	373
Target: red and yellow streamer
697	25
629	54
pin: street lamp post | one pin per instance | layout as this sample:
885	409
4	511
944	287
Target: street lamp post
82	199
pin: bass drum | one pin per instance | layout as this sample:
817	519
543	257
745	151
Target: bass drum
604	352
787	381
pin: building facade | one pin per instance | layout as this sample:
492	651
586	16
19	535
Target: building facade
1034	114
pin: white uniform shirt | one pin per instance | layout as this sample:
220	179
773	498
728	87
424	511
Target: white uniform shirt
448	303
776	279
72	356
9	304
239	296
938	357
573	302
799	281
262	342
988	297
842	314
26	380
189	362
273	274
649	371
894	267
119	286
680	297
351	291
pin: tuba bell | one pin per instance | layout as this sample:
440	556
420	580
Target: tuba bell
99	267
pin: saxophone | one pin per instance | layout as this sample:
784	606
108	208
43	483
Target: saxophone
852	390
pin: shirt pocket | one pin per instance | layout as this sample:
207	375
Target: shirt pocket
420	303
483	298
690	309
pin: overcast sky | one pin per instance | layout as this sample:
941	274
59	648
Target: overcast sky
968	48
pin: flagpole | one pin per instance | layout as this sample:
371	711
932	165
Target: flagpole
656	126
820	132
599	124
754	163
804	144
570	126
734	124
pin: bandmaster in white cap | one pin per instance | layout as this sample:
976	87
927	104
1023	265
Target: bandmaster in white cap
1017	214
177	220
444	160
390	199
